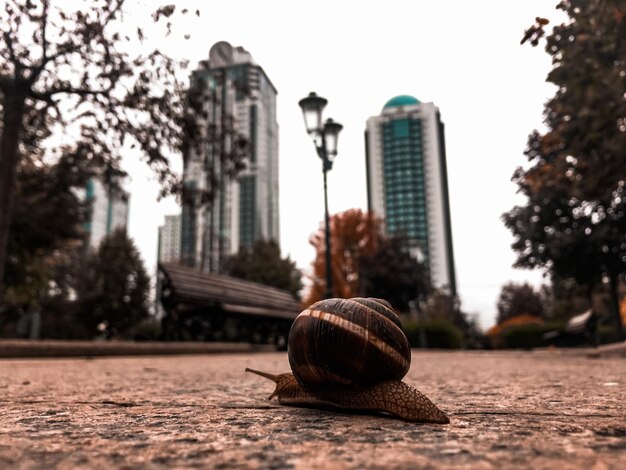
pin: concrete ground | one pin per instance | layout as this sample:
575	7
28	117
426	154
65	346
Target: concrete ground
23	348
507	409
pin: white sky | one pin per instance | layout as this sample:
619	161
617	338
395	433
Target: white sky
463	56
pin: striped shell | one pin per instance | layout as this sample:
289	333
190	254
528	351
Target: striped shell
348	341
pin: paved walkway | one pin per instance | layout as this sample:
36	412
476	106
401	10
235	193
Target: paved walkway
507	410
22	348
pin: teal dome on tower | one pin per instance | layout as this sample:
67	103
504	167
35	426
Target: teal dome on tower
401	100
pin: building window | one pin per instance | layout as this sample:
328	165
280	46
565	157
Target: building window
401	131
239	78
247	190
403	177
253	132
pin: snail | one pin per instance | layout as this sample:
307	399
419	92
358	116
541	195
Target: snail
351	354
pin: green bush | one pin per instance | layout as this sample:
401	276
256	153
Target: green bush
607	334
439	334
527	336
146	330
524	336
531	336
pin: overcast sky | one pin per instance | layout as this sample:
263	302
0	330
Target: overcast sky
463	56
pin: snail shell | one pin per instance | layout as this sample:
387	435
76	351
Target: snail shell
356	341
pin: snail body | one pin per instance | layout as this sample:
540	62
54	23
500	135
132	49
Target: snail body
351	354
391	396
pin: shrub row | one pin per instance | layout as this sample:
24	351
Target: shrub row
438	334
533	336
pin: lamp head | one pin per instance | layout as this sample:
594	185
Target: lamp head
331	135
312	107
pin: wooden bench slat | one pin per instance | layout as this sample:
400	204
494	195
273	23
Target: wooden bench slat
236	295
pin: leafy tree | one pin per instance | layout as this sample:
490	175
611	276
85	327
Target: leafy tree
564	297
441	305
574	222
45	234
354	233
392	274
71	69
114	289
263	263
518	299
367	263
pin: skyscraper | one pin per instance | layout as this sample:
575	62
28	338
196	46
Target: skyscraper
237	97
407	183
109	211
169	239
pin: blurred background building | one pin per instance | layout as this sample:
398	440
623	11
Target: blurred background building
407	183
109	210
169	239
237	97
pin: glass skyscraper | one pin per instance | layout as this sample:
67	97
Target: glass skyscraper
238	96
109	210
169	240
407	183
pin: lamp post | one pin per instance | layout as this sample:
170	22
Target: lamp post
325	139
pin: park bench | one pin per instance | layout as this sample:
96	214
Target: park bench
212	307
579	327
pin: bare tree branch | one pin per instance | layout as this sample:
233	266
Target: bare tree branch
44	25
51	54
12	57
47	96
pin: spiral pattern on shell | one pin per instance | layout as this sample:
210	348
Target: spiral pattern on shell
348	341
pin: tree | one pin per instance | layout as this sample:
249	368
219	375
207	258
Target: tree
441	305
353	234
518	299
114	289
73	70
366	263
565	297
45	235
574	222
392	274
263	263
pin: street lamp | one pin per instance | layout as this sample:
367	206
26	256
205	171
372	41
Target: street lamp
325	139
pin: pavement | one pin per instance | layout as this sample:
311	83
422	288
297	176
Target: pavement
22	348
536	410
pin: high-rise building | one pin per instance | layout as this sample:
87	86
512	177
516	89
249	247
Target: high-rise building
169	239
407	183
109	210
237	96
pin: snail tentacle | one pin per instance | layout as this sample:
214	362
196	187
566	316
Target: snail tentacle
286	384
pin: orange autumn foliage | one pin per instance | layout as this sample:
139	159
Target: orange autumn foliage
352	233
517	320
